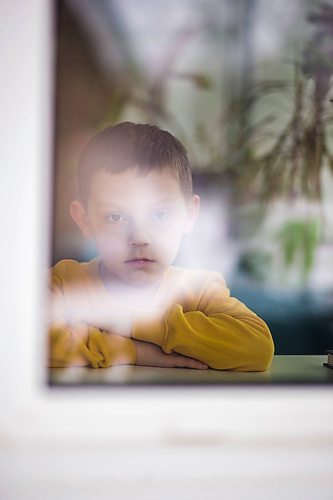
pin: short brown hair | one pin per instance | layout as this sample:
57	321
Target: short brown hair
128	145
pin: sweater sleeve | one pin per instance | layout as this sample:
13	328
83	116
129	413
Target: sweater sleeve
221	332
80	344
84	345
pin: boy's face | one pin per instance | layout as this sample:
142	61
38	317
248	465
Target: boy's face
137	222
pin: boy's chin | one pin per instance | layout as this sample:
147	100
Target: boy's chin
143	279
145	275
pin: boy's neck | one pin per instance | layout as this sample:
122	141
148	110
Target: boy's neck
125	291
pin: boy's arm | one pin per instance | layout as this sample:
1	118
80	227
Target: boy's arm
80	344
149	354
222	332
84	345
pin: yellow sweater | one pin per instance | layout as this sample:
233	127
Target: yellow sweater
191	313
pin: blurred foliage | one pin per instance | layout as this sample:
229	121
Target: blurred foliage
295	153
255	264
293	164
299	240
200	80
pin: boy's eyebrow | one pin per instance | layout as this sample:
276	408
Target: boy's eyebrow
110	206
163	201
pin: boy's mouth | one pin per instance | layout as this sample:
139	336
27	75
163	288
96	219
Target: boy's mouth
139	262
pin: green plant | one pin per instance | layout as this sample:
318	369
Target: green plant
299	240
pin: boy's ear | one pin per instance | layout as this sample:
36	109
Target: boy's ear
79	215
193	209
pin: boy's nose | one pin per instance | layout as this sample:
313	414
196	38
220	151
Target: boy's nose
138	236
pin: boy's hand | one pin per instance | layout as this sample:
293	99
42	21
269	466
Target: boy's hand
151	355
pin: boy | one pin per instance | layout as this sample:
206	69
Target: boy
130	305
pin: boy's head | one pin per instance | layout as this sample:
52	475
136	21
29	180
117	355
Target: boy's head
135	200
127	145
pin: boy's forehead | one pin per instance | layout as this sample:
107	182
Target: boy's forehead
133	186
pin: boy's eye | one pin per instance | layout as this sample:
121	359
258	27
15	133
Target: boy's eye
116	217
160	215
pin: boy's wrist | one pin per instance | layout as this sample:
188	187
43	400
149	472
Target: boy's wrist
149	325
122	325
